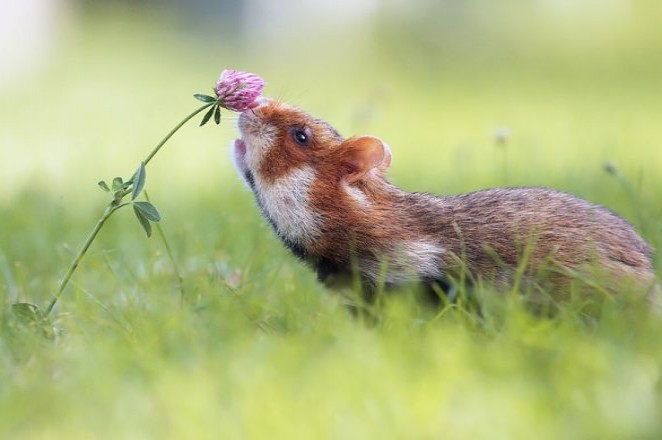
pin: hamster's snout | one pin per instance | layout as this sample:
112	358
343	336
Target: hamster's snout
258	135
254	112
249	121
246	123
262	101
253	124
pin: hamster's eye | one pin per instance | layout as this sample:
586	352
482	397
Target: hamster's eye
301	136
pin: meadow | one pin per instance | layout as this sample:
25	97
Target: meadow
251	346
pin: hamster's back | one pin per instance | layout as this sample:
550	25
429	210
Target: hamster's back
499	224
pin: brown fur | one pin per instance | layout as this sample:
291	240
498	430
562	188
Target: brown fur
486	233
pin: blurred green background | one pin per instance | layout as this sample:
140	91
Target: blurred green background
468	94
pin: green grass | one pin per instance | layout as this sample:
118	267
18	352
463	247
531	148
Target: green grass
258	348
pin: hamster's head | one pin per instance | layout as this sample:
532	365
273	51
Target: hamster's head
278	139
304	175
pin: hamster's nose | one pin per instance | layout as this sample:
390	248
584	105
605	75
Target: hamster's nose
262	101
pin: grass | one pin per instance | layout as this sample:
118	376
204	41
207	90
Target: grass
258	348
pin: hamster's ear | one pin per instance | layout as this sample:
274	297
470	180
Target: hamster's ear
388	158
364	153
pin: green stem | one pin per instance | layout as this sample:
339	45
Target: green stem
175	266
174	130
110	209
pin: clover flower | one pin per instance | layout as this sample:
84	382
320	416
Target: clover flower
237	91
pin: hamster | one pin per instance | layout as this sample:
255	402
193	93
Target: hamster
329	201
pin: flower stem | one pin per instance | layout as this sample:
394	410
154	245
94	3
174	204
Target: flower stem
110	209
174	130
171	257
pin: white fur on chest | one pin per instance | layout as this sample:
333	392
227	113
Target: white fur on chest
287	204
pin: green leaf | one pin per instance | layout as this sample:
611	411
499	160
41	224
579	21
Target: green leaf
217	115
103	185
138	180
208	115
117	183
204	98
148	210
143	221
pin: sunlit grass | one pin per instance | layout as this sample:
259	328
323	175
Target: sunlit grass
255	347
